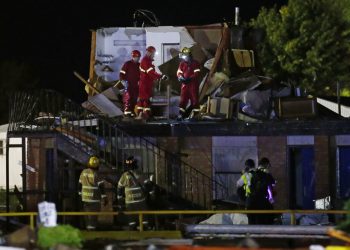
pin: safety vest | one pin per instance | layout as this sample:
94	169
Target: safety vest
90	186
133	190
246	180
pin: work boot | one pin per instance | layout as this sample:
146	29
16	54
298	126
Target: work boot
132	226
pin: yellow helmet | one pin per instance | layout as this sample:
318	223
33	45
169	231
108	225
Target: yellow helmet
186	51
94	162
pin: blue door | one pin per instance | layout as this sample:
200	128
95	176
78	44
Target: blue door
302	177
344	172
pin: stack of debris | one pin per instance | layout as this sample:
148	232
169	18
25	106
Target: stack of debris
232	86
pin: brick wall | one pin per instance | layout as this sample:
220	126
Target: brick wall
198	150
322	188
275	148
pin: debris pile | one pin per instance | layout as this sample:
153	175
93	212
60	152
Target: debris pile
232	87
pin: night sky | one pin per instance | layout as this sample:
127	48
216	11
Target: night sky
54	36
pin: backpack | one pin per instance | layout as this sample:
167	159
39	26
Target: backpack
259	184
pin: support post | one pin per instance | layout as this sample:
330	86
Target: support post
24	173
338	98
141	221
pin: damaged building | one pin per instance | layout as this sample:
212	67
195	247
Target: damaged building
243	115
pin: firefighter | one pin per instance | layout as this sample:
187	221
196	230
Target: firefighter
129	76
188	76
91	188
148	75
131	191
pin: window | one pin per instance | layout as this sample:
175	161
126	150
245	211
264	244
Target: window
2	147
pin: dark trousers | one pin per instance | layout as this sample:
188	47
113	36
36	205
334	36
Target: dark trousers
91	220
133	220
259	219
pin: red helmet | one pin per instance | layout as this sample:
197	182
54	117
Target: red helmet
151	49
135	53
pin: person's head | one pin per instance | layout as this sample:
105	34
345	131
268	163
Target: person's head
131	163
185	54
93	162
135	56
150	51
249	164
264	162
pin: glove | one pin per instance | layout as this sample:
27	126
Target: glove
187	80
181	79
125	84
164	77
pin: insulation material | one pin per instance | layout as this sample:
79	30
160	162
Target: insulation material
235	86
104	105
215	81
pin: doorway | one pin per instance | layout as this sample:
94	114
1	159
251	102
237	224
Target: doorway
301	177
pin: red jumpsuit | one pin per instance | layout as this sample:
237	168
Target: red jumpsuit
189	90
148	75
130	72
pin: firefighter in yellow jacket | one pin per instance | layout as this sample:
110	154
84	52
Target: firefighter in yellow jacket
131	191
92	192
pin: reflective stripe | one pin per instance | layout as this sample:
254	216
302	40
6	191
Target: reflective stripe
150	69
196	110
196	70
103	196
127	112
100	182
128	202
135	188
147	109
119	196
179	71
90	187
140	108
91	201
87	194
123	72
182	109
88	175
142	70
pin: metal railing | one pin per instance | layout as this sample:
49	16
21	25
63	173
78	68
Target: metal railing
49	112
141	214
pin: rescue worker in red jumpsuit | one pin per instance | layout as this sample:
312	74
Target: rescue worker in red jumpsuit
148	75
129	76
188	76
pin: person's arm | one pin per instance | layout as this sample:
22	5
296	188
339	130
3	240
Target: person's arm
180	73
240	182
101	187
151	72
122	73
80	185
